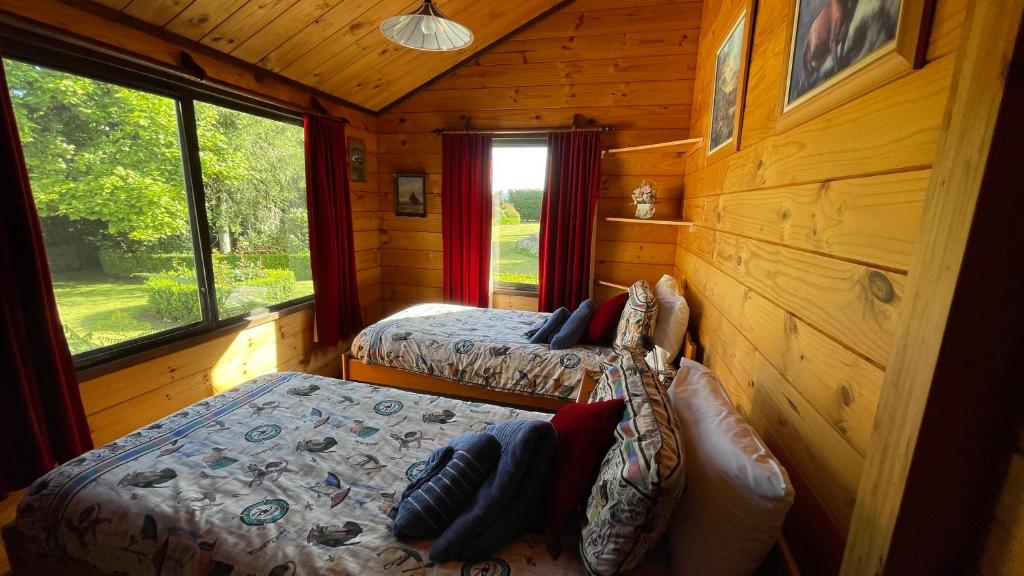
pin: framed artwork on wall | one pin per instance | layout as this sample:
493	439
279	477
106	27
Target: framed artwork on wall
411	195
731	61
357	159
840	49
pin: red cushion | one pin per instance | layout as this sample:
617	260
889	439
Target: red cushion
603	323
585	432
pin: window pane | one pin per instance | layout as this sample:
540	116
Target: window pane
517	182
255	182
106	172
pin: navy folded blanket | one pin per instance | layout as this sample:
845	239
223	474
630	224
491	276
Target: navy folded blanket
507	502
448	481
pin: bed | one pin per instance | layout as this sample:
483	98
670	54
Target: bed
288	474
478	353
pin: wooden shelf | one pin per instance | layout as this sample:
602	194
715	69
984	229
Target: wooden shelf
674	145
650	221
612	284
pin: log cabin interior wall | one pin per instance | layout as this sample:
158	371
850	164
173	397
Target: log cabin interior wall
630	64
796	265
121	401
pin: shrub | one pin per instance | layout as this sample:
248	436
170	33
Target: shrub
507	214
120	264
173	296
527	203
518	278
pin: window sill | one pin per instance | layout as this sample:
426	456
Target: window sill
524	292
88	367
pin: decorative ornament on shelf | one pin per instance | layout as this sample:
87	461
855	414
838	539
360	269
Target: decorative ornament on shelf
643	199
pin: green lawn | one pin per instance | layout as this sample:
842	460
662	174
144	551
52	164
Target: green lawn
513	265
98	310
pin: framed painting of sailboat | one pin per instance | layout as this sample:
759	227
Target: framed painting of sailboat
411	195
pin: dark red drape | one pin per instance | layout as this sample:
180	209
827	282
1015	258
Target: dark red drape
466	217
567	218
42	422
331	244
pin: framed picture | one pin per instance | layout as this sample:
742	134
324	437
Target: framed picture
840	49
730	85
357	159
411	195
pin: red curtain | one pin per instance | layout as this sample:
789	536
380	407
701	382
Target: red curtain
42	422
331	244
466	217
567	218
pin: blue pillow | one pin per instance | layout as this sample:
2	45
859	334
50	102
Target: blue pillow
572	331
551	327
437	495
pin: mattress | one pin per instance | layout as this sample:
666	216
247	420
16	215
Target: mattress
287	474
480	346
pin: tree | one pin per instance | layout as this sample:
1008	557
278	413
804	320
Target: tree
96	151
108	160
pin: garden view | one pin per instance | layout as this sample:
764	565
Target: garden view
106	170
518	188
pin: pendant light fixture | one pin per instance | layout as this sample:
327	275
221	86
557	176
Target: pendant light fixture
426	29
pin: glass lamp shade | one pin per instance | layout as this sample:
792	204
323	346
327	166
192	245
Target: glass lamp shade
426	29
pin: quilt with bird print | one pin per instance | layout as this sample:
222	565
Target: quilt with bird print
481	346
287	474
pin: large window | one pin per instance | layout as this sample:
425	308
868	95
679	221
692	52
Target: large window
161	215
255	182
517	182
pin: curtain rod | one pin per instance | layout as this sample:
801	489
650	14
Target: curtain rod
602	128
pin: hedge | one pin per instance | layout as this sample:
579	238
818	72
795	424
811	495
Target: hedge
126	264
174	296
122	264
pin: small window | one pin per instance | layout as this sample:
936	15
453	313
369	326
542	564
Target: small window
106	172
255	183
517	181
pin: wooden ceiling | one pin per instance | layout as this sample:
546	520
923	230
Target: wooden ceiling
332	45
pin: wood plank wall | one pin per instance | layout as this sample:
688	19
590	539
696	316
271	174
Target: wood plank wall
796	267
629	64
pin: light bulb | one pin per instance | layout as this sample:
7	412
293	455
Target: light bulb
428	25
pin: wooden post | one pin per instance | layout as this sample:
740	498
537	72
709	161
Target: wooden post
962	157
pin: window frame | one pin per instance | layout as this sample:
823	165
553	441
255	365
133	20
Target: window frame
520	140
39	50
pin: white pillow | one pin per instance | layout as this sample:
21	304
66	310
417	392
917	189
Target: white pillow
736	495
669	330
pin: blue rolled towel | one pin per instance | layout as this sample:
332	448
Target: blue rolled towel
551	327
449	480
572	331
508	500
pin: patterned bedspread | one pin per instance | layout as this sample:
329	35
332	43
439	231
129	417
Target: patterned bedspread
480	346
287	474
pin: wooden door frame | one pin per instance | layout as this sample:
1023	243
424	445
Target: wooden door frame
924	460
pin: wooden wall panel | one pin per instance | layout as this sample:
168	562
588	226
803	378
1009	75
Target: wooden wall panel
121	401
798	258
631	64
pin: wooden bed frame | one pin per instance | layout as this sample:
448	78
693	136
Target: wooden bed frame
354	369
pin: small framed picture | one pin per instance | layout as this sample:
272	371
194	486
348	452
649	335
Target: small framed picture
411	195
730	85
357	159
